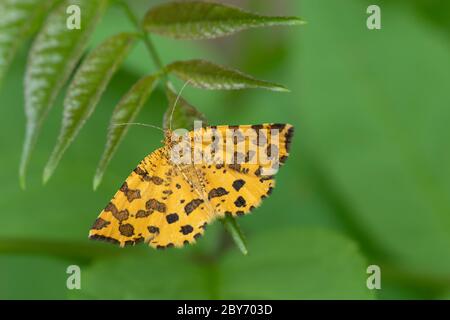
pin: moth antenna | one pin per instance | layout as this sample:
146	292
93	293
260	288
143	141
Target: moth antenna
138	124
175	103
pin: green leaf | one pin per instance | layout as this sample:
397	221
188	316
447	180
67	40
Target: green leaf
86	89
125	112
18	283
168	274
205	20
18	20
296	263
79	251
207	75
52	58
180	112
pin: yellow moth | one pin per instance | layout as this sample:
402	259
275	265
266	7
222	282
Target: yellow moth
170	197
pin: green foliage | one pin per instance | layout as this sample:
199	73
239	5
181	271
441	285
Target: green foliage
203	20
18	20
125	112
207	75
52	58
86	89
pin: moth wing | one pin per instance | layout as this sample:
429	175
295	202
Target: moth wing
239	186
155	205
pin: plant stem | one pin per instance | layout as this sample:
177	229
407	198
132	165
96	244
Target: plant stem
78	251
230	225
145	36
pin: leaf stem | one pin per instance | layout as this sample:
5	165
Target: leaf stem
145	36
78	251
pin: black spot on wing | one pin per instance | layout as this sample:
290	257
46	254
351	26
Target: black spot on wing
100	224
257	126
111	208
153	229
142	214
171	218
197	235
240	202
130	193
157	180
272	151
217	192
238	184
191	206
154	204
126	230
249	155
134	241
119	215
186	229
104	238
235	167
279	126
288	138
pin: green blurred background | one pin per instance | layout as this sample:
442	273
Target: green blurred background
367	182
